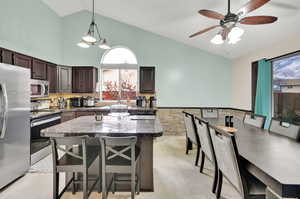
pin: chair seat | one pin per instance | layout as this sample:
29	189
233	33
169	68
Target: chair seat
255	187
92	152
120	160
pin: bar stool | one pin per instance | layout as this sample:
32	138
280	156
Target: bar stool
285	129
192	136
77	158
209	113
120	155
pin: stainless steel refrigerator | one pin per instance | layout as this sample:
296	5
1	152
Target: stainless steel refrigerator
14	122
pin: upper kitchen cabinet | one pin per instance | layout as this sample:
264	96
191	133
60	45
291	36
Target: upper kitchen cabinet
22	60
52	77
39	69
64	79
84	79
147	80
6	56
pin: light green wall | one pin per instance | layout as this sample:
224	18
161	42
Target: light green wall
32	28
186	76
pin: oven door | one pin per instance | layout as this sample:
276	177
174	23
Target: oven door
40	146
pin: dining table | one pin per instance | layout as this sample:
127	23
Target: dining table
274	159
145	127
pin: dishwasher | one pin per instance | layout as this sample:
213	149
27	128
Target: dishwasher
40	146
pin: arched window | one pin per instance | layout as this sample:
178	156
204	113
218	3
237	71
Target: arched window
119	55
119	74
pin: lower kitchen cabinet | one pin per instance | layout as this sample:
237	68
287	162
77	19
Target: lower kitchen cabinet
84	113
52	77
66	116
84	79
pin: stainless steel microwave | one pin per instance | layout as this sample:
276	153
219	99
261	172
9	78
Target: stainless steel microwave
39	88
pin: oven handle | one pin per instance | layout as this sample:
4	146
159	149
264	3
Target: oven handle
33	124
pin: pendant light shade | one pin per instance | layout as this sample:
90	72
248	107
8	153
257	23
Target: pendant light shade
83	44
104	45
93	35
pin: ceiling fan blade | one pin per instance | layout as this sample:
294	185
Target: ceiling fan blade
251	5
211	14
203	31
255	20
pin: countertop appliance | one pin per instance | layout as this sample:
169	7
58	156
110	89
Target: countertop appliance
14	122
76	101
39	88
40	146
88	102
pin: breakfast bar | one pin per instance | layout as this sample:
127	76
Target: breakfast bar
146	128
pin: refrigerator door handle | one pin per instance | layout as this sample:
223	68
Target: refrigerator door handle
4	108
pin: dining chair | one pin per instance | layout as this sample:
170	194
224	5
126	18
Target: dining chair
210	113
230	167
120	155
192	136
254	120
284	129
77	157
207	149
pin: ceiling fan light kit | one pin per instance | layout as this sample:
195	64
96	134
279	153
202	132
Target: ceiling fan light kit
90	38
229	22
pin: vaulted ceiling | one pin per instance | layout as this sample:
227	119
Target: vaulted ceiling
177	19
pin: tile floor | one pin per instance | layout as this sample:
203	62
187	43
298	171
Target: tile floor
175	177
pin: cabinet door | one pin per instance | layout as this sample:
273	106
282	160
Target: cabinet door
22	60
6	56
84	79
52	77
65	79
147	79
39	69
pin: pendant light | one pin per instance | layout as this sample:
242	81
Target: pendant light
91	37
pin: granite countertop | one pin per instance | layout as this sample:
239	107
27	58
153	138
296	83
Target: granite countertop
40	114
109	126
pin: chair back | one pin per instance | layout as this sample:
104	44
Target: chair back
255	120
205	138
191	131
227	157
116	147
65	145
209	113
285	129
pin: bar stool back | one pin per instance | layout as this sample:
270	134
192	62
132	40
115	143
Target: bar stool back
209	113
284	129
120	155
77	158
255	120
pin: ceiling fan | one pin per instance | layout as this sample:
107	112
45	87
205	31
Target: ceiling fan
229	21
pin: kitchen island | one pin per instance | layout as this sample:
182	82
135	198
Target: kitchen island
146	128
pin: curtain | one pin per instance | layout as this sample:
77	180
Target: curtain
263	99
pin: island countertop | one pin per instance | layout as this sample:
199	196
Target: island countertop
109	126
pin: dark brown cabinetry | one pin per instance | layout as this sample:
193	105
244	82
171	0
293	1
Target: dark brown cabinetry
22	60
147	80
39	69
84	79
52	77
6	56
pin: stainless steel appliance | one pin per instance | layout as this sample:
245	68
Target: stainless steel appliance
14	122
40	146
89	102
39	88
76	101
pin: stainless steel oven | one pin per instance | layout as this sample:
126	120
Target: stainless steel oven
39	88
40	146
